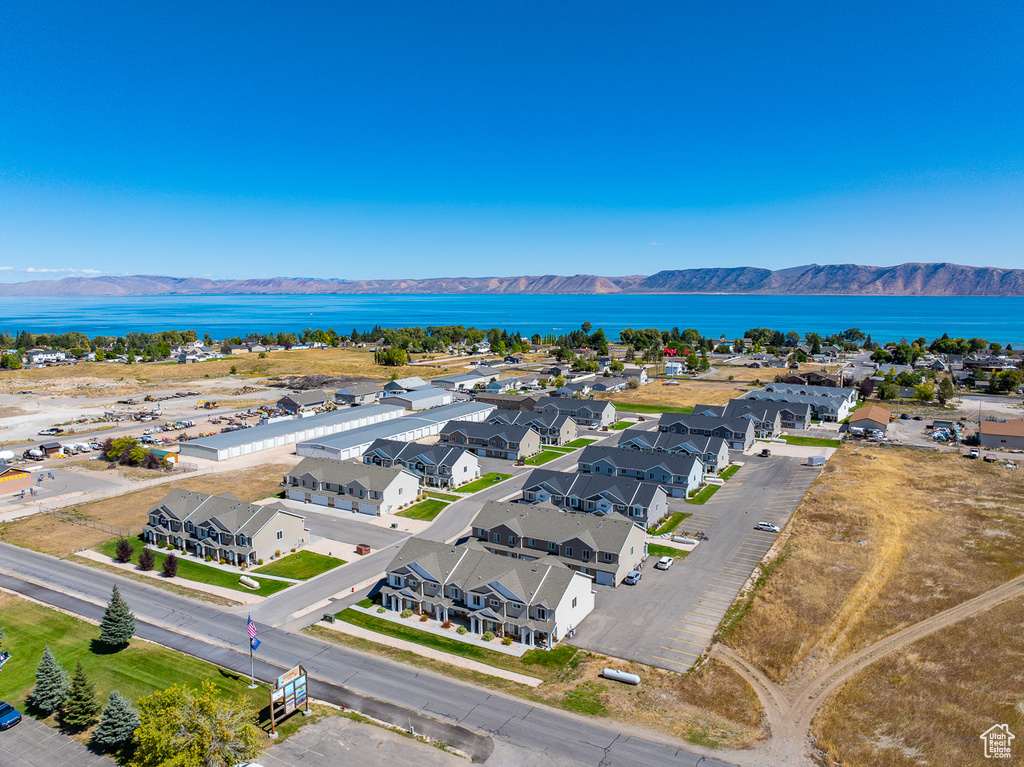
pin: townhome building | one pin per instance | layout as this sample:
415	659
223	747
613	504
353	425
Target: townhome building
352	485
609	383
640	502
823	408
223	527
712	451
585	412
522	402
553	429
536	603
808	390
680	474
513	443
770	416
358	393
737	432
604	548
436	465
41	356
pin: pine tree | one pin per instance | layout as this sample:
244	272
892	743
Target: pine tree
170	568
80	706
147	559
118	624
51	684
117	722
124	551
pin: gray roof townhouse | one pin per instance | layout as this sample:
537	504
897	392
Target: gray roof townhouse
303	400
358	393
521	402
223	527
772	416
737	432
352	485
712	451
609	383
490	440
435	465
459	381
553	429
823	408
585	412
640	502
536	603
680	474
809	390
604	548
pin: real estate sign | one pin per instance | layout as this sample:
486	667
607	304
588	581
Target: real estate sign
288	695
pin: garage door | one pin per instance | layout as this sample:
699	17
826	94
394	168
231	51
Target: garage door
343	503
604	579
320	500
296	495
368	508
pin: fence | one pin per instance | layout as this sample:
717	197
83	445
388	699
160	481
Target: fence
77	519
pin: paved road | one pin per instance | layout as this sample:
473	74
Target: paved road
346	526
668	619
434	703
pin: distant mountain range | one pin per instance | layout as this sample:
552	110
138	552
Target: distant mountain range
838	279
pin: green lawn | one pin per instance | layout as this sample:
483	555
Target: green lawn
581	442
703	495
487	480
729	471
191	570
442	496
619	425
671	523
301	565
543	457
426	510
654	550
856	407
633	407
812	442
538	663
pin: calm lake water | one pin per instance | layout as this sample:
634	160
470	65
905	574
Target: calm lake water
885	318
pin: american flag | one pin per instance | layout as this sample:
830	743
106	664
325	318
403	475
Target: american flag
252	629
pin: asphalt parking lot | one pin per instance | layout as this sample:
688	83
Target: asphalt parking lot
33	744
346	526
668	619
63	482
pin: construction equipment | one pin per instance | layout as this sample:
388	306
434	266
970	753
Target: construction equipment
206	404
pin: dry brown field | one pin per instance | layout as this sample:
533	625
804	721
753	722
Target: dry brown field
686	394
51	536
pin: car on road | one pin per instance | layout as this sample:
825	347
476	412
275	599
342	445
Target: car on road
9	715
918	418
974	453
905	416
664	563
633	577
767	527
766	453
49	432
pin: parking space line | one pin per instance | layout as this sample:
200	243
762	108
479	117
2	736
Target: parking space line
731	588
716	601
685	665
700	645
734	581
705	617
681	652
697	633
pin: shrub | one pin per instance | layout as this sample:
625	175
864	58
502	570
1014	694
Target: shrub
446	625
223	561
277	553
461	630
488	636
209	558
147	559
124	551
170	568
424	618
259	561
293	549
381	610
506	641
406	612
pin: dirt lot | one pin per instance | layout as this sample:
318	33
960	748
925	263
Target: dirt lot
959	682
686	394
883	539
46	534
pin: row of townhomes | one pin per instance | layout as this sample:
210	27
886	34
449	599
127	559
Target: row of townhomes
352	485
640	502
553	429
493	440
223	527
680	474
827	403
586	412
712	451
738	432
436	465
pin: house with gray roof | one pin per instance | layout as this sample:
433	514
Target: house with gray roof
808	390
604	548
640	502
680	474
713	452
771	417
421	399
536	603
553	429
585	412
435	465
513	443
460	381
404	384
824	408
223	527
298	401
358	393
737	432
352	485
609	383
522	402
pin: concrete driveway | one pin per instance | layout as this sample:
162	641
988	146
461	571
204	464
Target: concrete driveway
345	526
668	619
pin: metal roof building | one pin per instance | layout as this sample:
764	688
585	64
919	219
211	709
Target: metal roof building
220	447
354	443
421	399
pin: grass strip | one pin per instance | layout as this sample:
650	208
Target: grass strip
635	407
655	550
486	481
729	471
425	510
542	458
301	566
812	442
702	496
581	442
441	496
670	524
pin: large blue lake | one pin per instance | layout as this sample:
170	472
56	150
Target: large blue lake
885	318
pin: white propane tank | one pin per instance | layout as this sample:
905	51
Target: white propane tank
620	676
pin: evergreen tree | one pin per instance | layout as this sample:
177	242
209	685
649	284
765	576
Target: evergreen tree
51	684
117	723
80	706
118	624
147	559
124	551
170	568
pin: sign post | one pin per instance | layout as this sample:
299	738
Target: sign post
289	694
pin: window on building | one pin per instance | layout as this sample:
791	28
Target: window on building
574	601
496	537
568	551
511	540
542	614
552	546
531	542
280	534
586	555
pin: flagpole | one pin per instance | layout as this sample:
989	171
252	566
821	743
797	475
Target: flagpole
251	628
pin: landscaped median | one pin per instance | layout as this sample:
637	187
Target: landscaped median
486	481
634	407
703	494
670	524
581	442
191	570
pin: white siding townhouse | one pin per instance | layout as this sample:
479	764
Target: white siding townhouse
40	356
512	443
640	502
737	432
679	473
352	485
435	465
824	408
553	429
604	548
585	412
712	451
536	603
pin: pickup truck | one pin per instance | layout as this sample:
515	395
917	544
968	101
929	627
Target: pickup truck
974	453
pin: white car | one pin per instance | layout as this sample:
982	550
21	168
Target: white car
664	563
767	527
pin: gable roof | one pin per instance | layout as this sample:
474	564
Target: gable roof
637	438
488	431
358	388
677	464
309	397
224	512
1013	428
550	524
871	413
344	472
435	455
621	490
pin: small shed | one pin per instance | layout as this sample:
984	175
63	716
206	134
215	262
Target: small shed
51	449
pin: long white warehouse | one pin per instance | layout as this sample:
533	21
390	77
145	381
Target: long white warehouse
352	444
220	447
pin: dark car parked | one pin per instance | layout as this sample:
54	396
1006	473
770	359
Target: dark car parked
9	716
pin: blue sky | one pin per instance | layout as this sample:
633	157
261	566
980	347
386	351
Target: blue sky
382	140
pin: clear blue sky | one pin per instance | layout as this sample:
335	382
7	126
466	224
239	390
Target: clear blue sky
384	139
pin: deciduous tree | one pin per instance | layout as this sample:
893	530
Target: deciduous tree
124	551
170	568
